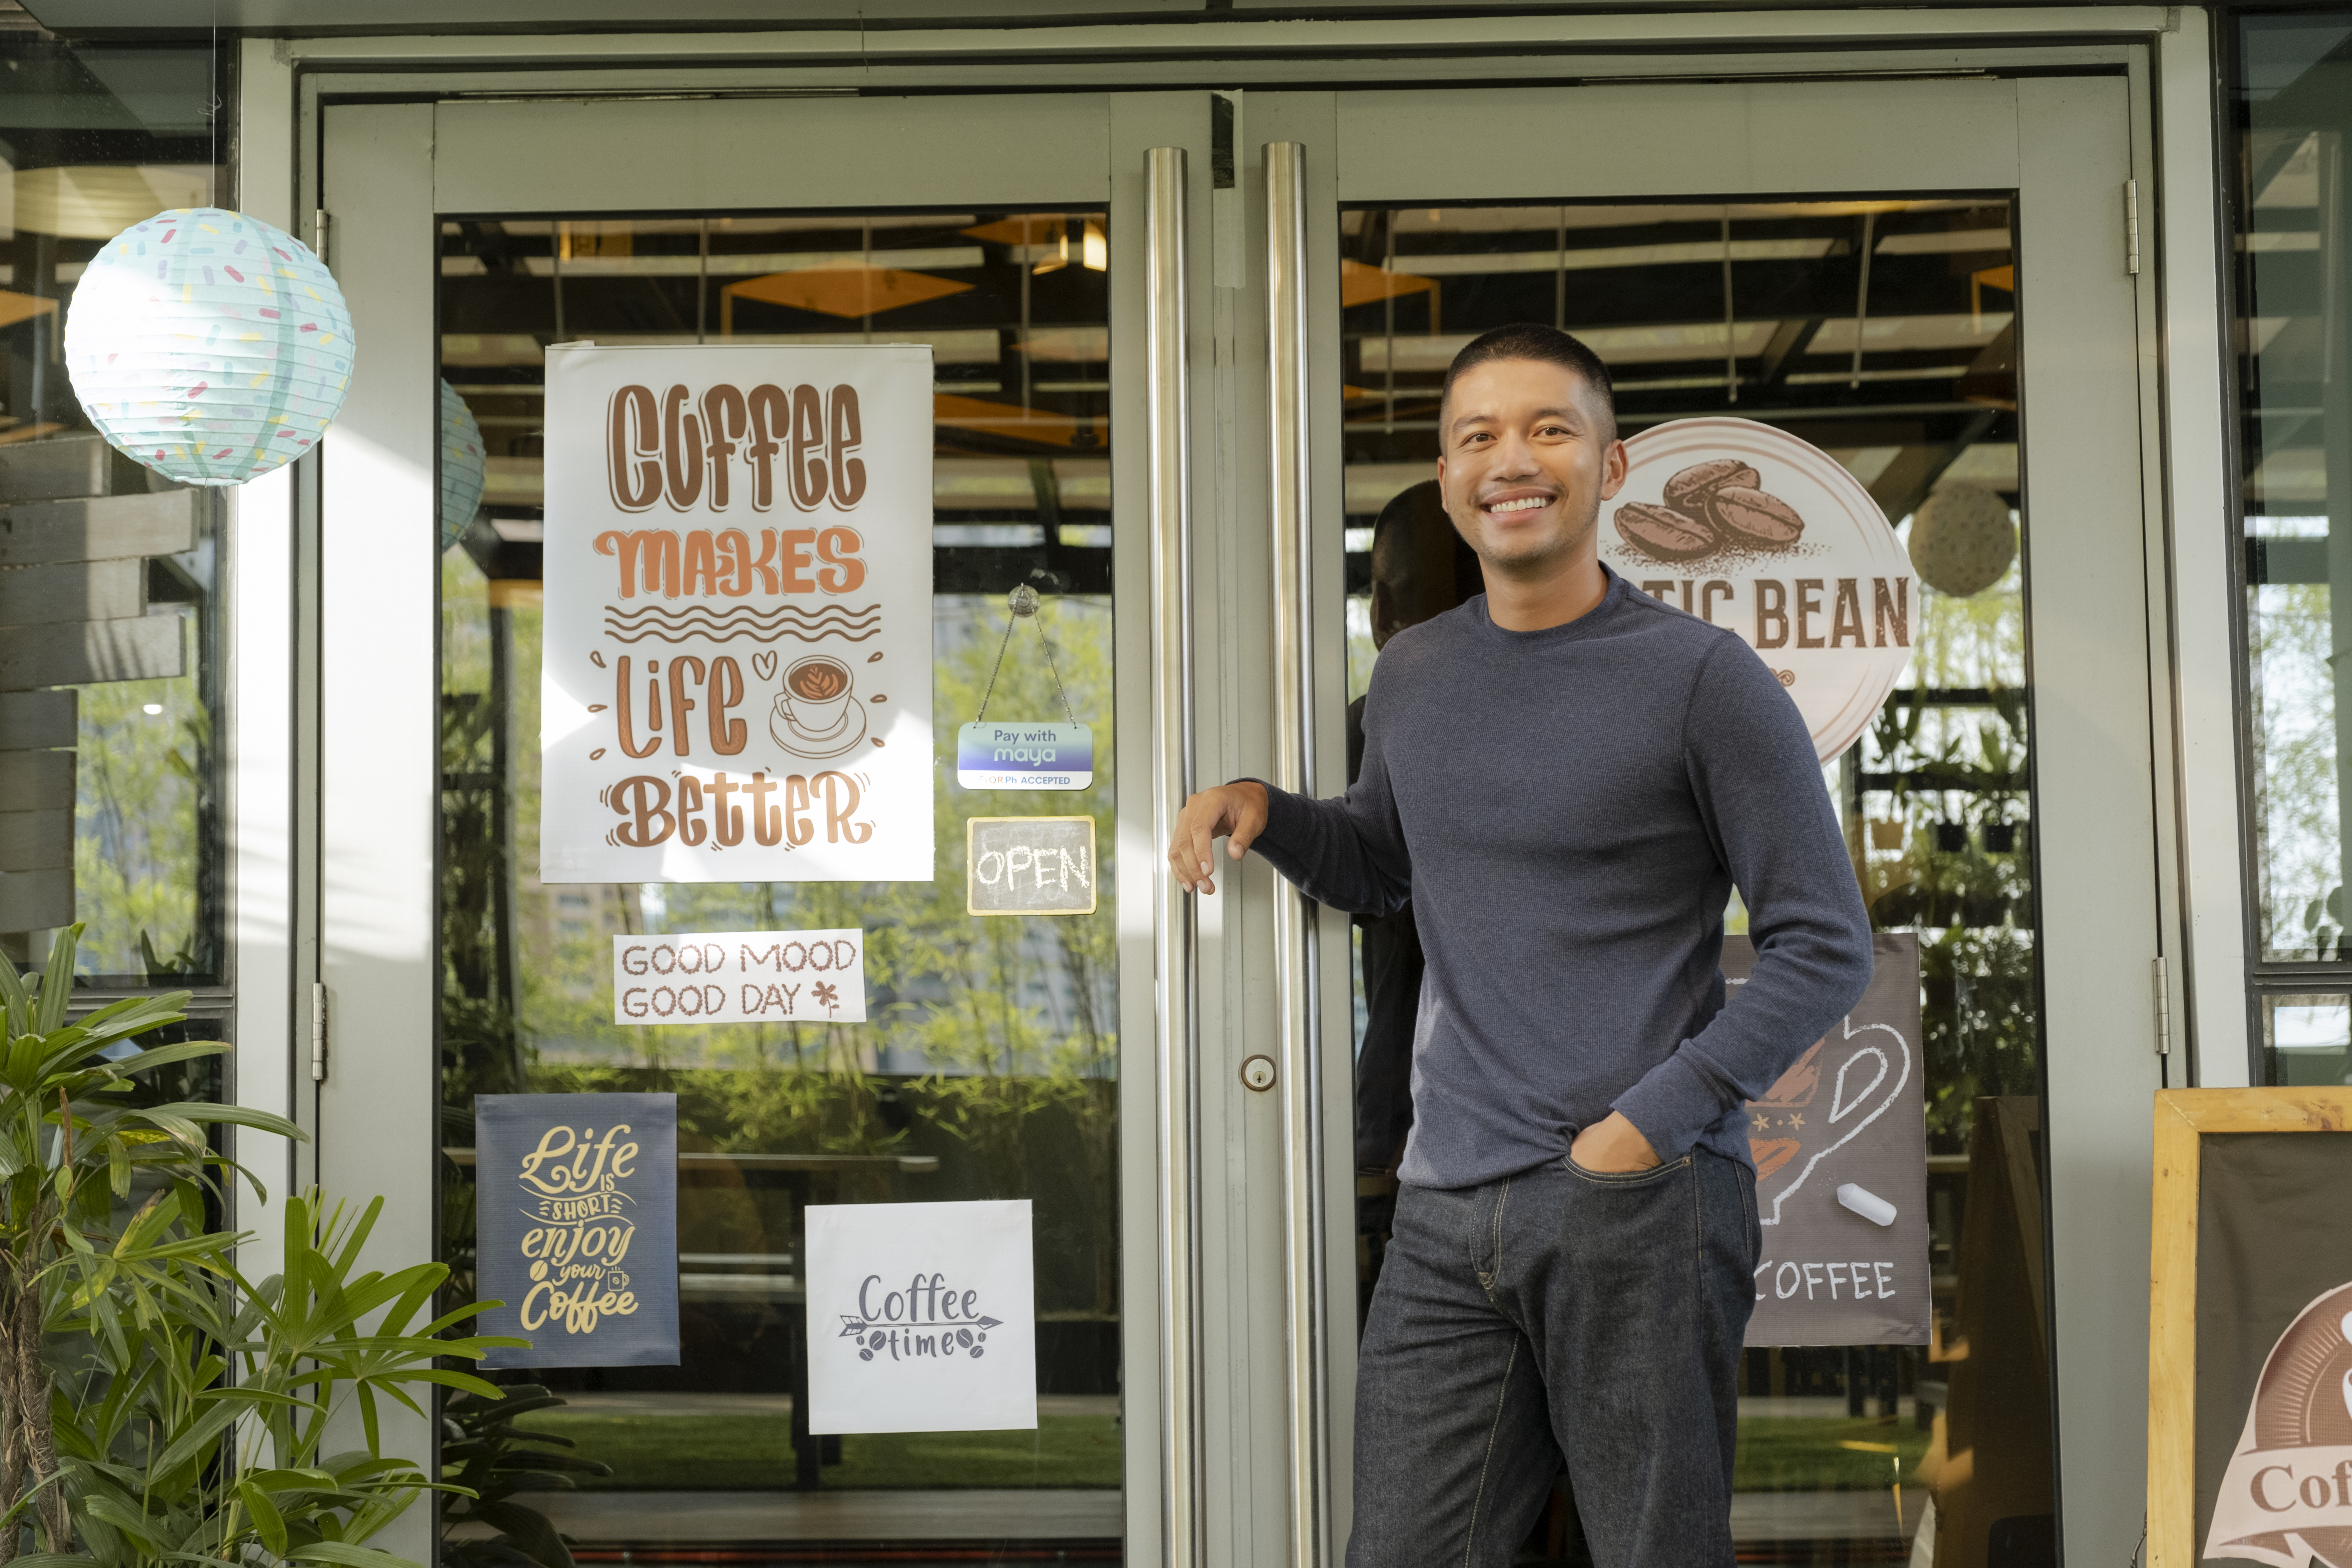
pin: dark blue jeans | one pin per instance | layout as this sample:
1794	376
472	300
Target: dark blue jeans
1557	1315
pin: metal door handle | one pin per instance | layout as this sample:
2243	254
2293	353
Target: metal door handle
1166	410
1289	454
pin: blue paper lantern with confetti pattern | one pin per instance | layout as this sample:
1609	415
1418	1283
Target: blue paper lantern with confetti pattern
463	470
208	345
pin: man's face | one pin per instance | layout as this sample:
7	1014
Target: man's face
1525	460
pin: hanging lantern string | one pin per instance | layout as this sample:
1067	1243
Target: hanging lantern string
1024	603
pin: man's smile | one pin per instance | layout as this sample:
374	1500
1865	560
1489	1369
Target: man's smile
1510	505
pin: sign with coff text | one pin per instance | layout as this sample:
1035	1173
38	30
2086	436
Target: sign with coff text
740	977
737	681
576	1198
921	1317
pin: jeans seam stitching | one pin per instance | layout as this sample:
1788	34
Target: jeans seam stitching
1502	1395
1501	1198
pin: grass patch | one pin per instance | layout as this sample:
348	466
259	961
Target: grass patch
1798	1454
754	1453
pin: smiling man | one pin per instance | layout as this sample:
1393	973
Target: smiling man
1568	778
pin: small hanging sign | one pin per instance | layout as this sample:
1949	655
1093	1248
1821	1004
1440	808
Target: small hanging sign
921	1318
740	977
1026	756
1029	866
578	1200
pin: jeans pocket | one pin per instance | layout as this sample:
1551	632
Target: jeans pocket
1623	1178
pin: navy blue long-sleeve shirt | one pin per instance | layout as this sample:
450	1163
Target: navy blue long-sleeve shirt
1568	811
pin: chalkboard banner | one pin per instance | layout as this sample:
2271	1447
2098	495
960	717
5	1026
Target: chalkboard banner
740	977
1030	866
577	1199
1841	1149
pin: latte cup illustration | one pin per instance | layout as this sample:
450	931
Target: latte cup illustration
815	696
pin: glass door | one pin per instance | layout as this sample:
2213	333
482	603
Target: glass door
1918	281
1000	1057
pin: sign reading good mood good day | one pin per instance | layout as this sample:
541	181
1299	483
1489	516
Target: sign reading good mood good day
1750	527
1841	1149
740	977
737	682
921	1318
577	1195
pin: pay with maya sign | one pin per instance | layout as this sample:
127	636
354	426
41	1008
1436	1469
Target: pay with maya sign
737	683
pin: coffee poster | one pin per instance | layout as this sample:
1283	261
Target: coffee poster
2273	1399
921	1318
1748	527
576	1228
736	681
1840	1149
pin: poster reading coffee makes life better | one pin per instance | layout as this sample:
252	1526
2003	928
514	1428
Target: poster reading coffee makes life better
737	685
576	1203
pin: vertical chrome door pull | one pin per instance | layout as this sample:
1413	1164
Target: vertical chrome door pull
1289	438
1167	395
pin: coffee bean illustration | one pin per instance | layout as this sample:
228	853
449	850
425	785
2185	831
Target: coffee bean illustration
1687	491
1665	535
1749	518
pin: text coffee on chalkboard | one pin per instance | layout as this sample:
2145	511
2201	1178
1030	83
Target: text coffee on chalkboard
1030	866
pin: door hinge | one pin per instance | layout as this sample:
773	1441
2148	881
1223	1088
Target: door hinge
2131	228
318	1033
2162	970
319	236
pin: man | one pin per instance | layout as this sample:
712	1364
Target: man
1421	568
1568	778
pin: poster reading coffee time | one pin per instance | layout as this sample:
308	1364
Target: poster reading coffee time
737	682
576	1226
1841	1149
1751	527
921	1318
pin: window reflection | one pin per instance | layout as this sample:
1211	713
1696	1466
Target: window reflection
109	647
2293	106
1885	333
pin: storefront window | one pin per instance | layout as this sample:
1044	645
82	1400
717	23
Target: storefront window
109	609
2294	340
988	1067
1885	333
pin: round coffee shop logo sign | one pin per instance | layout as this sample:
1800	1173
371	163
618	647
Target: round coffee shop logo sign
1749	527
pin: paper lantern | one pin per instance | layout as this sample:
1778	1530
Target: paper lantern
208	345
1962	539
462	469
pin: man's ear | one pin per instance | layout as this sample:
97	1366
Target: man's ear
1384	616
1614	465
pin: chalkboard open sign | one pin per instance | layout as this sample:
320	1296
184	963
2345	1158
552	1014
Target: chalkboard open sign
1030	866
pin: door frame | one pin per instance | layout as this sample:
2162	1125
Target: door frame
287	87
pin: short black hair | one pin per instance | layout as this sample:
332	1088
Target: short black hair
1535	340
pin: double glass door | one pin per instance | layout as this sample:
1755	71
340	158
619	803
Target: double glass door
1921	279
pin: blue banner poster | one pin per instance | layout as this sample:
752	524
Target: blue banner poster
576	1199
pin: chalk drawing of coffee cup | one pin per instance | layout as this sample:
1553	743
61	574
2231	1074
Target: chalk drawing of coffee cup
1866	1071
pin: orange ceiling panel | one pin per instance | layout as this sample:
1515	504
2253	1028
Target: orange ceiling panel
1041	425
1360	285
847	291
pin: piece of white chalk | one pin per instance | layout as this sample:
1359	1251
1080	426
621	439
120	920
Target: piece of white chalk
1866	1204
